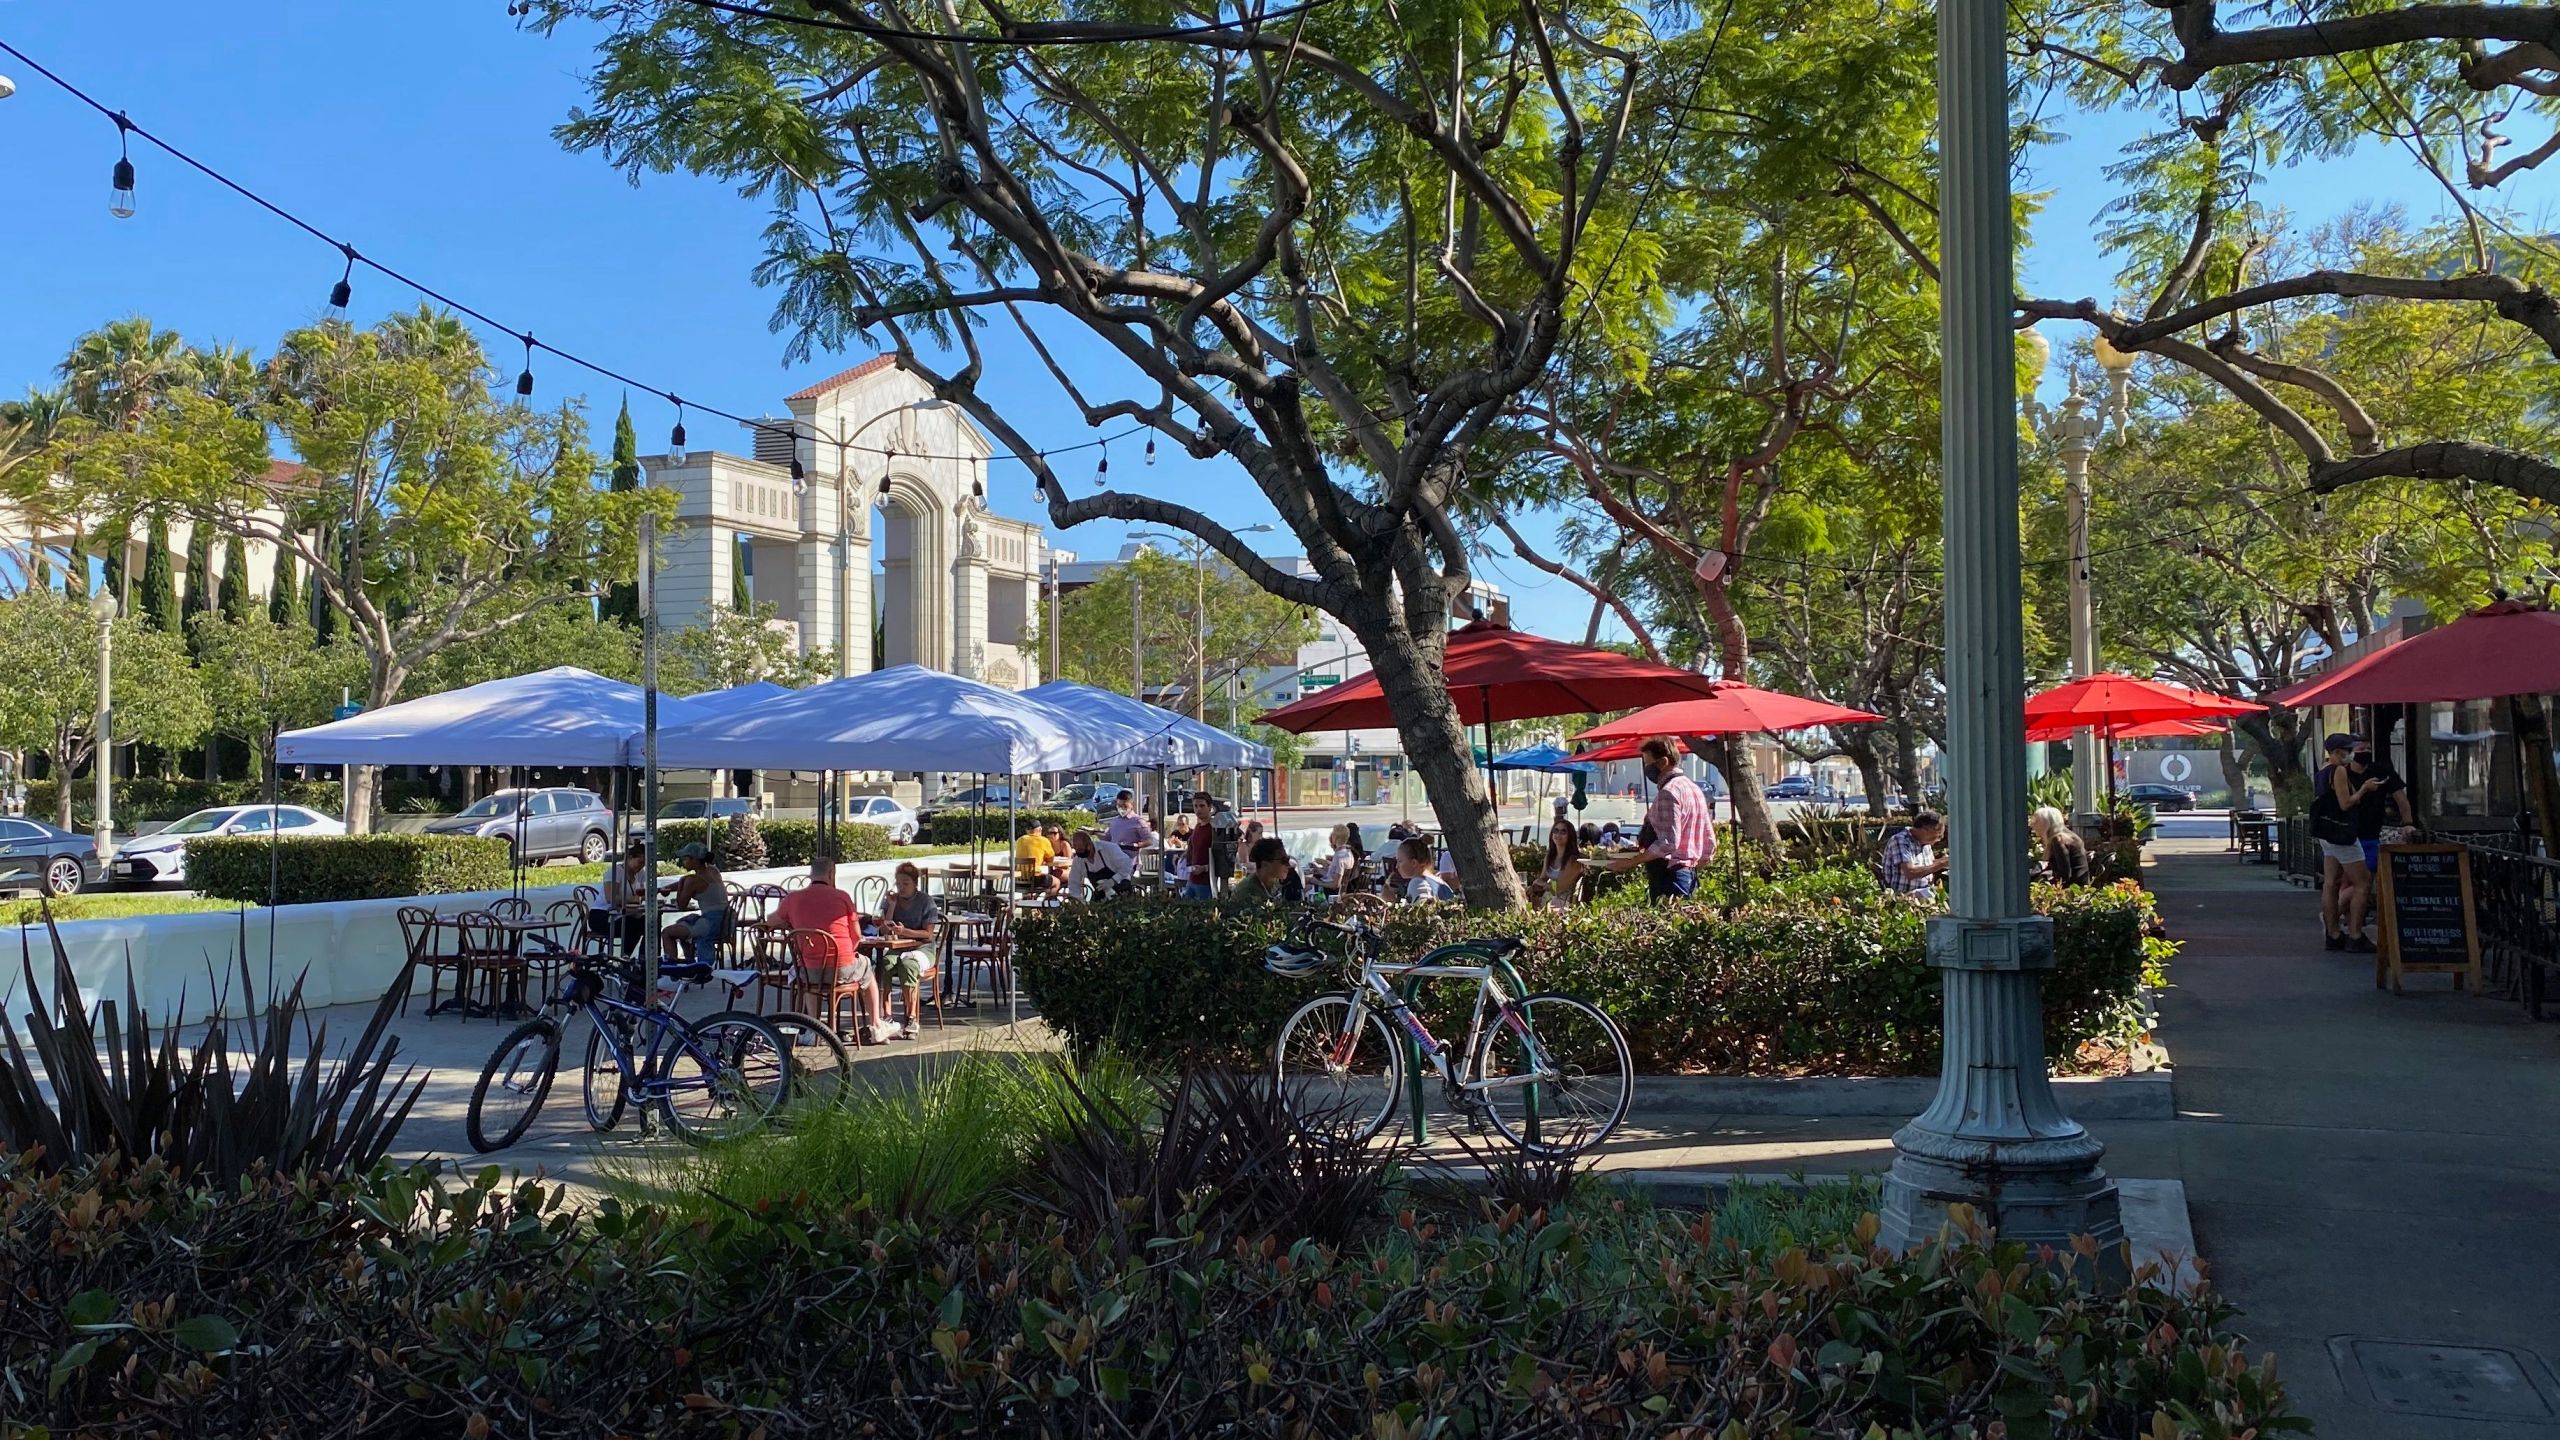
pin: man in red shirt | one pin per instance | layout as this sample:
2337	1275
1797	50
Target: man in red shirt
821	906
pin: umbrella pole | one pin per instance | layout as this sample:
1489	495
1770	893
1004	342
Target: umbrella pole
1012	994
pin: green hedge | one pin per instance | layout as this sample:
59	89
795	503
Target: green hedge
960	827
1816	974
144	798
313	868
787	843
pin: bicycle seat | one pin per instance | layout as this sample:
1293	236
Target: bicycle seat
1500	947
690	972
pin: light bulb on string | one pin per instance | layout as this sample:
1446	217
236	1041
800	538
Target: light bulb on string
1102	468
2317	508
1151	449
345	289
524	377
120	198
675	437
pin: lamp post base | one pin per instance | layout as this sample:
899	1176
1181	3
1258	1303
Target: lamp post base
1994	1138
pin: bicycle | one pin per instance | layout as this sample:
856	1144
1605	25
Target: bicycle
712	1079
1550	1072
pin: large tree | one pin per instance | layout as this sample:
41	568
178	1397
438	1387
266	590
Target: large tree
733	647
49	651
264	678
1333	249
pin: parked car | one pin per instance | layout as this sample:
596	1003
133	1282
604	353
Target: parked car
37	856
701	808
888	814
1804	788
2160	798
1098	796
992	797
547	823
1180	801
160	858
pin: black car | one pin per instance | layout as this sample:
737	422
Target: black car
2163	799
988	797
37	856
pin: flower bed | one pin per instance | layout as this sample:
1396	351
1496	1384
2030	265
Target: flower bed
1817	974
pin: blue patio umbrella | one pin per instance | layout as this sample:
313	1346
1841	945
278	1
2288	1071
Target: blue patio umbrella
1546	758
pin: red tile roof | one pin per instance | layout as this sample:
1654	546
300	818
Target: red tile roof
872	366
281	472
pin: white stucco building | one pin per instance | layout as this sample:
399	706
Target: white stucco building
886	539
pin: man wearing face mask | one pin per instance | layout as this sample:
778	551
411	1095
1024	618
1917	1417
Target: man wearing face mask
1681	821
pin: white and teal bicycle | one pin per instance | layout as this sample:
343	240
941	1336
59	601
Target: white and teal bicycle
1550	1072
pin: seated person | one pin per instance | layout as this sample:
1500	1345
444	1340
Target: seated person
822	907
909	921
1272	874
698	934
1416	878
1098	868
1031	856
621	912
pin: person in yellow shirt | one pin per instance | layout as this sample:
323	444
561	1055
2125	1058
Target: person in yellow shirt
1034	863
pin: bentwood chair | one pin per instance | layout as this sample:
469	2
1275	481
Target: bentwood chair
420	929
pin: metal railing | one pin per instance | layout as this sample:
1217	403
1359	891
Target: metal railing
2516	898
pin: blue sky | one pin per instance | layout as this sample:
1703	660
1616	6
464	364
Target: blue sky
423	132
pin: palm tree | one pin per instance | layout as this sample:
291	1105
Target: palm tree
117	370
229	373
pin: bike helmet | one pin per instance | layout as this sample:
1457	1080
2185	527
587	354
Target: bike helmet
1294	959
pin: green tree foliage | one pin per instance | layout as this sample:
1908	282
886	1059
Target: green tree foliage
1312	253
429	511
159	587
1244	628
284	595
546	638
235	599
622	597
737	647
49	651
742	595
201	595
264	678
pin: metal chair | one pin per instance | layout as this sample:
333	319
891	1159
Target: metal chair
989	949
796	882
487	948
870	894
510	907
419	927
822	980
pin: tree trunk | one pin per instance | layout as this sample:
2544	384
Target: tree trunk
2235	771
1436	744
1870	763
2532	730
1741	776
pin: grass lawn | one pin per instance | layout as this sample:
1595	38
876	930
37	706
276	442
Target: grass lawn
107	907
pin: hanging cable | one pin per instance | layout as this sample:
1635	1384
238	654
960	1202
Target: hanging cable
1031	35
345	289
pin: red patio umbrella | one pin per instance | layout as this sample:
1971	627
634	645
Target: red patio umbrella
1733	709
2149	730
1497	673
2099	702
2506	648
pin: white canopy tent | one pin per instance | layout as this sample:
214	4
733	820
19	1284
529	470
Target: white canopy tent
561	716
1179	743
903	718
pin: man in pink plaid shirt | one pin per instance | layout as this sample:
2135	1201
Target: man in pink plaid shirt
1681	822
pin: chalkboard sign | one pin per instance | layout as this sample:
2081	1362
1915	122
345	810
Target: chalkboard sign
2428	924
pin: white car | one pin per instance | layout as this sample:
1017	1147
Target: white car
161	858
888	814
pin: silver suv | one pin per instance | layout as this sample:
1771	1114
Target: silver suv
548	824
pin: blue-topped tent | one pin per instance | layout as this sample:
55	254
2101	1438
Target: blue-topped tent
1546	759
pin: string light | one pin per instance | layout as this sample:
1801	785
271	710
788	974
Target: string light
120	198
1102	467
524	377
675	437
1151	449
122	205
345	289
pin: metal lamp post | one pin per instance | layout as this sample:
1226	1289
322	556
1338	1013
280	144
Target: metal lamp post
1994	1138
103	609
1199	608
2075	434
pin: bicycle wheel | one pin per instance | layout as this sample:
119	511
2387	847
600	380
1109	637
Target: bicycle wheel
1580	1088
603	1087
1338	1085
724	1077
821	1066
513	1085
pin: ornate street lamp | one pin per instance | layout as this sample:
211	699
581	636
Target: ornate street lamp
103	609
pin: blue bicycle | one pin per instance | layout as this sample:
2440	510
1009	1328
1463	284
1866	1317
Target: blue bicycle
713	1079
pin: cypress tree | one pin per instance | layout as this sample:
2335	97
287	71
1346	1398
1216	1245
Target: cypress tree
317	607
200	597
235	580
75	568
281	590
113	542
621	601
742	595
159	590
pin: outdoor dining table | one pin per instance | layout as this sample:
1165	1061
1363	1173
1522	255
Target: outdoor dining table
513	1006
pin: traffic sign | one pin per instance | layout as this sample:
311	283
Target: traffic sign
349	712
1319	682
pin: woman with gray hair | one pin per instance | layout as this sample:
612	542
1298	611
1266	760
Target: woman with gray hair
2066	855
